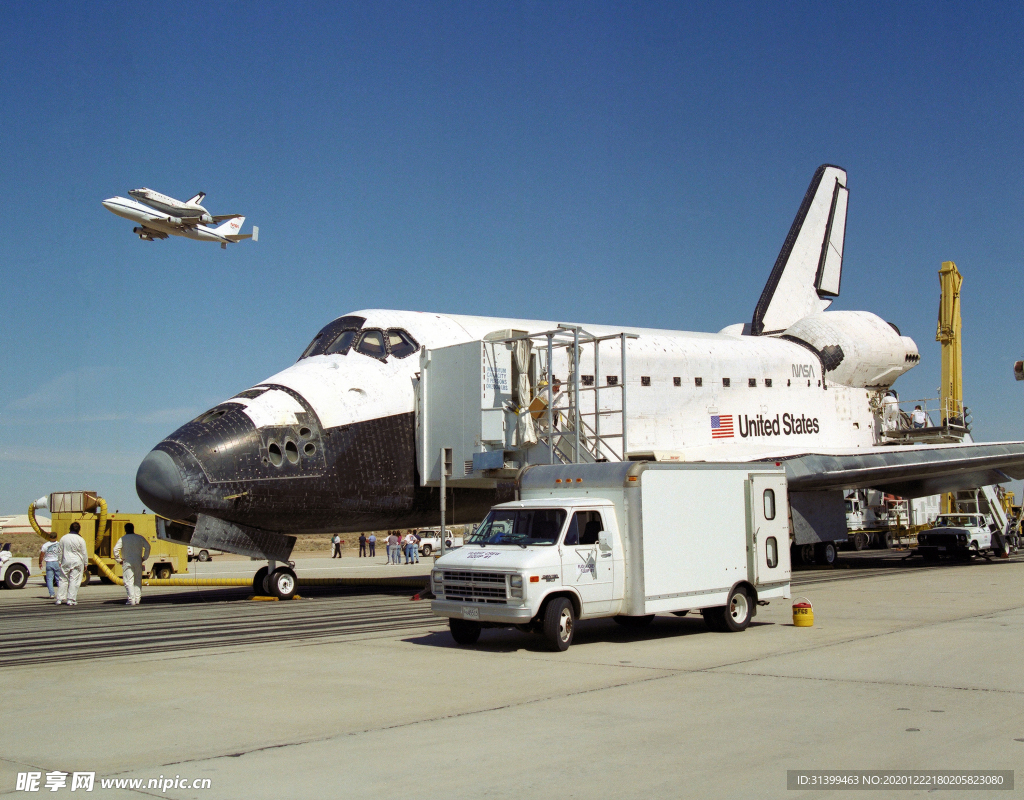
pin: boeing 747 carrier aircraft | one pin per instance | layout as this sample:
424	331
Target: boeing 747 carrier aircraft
330	443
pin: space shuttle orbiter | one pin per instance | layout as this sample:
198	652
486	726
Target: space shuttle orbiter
330	443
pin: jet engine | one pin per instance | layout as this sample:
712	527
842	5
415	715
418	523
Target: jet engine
856	348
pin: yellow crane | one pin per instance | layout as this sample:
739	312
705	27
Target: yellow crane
951	399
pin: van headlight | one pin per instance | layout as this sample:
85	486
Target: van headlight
515	584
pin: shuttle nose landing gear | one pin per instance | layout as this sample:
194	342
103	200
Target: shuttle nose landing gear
275	581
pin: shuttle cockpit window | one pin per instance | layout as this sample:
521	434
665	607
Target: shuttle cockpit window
342	344
521	527
400	343
329	334
371	343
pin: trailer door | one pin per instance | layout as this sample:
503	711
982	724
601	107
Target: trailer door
768	537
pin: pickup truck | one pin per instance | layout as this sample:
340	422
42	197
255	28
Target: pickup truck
958	535
430	540
625	540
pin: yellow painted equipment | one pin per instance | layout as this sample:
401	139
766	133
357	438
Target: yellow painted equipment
166	558
803	613
948	334
102	530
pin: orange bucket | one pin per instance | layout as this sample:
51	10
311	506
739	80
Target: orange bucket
803	613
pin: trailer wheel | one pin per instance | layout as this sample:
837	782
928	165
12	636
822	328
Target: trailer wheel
16	577
826	553
559	624
635	622
885	540
464	631
860	541
258	586
805	552
283	583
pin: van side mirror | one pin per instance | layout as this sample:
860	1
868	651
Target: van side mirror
603	541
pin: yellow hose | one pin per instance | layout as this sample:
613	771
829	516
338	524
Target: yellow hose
33	523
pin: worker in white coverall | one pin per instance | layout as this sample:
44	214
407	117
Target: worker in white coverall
130	551
73	556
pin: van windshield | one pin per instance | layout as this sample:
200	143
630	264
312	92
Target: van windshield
539	526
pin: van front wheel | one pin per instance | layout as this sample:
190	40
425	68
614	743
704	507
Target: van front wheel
559	624
464	631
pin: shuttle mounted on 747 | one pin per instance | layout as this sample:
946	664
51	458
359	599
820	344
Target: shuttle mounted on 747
160	216
331	443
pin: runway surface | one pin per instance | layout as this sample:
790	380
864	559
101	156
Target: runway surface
365	694
188	619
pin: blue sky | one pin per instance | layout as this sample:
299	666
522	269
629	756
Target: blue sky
635	164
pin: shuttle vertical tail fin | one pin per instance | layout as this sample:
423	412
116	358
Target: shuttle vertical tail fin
807	273
197	199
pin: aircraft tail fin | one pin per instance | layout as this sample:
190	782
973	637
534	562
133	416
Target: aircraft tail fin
230	226
807	273
229	230
197	199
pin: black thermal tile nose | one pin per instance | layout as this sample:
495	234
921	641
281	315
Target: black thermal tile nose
160	486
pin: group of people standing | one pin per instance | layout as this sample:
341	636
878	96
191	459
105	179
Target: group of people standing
66	561
408	545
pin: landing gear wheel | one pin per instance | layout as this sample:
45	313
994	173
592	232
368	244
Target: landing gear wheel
283	583
635	622
559	624
427	550
826	553
204	556
16	577
464	631
258	581
860	541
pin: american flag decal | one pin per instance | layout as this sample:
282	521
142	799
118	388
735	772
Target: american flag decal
721	426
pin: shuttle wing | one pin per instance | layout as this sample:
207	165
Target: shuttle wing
908	471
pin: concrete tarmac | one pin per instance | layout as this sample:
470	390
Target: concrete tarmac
357	694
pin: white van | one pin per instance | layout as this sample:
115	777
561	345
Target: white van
624	540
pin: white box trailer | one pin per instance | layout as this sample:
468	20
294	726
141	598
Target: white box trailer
623	540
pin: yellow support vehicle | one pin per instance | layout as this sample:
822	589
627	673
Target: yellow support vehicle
102	530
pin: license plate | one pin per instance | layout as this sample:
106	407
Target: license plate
468	612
